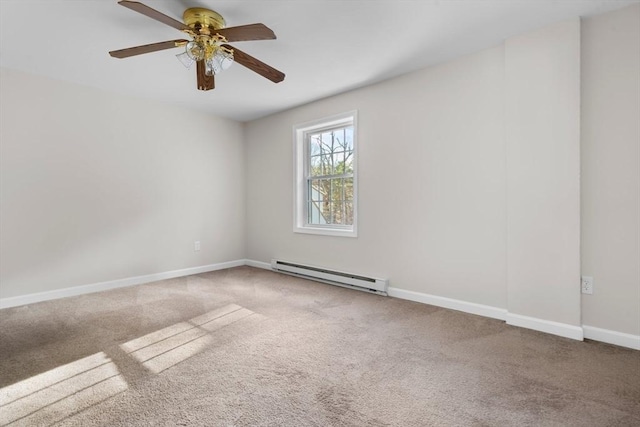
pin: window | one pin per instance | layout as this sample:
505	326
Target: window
325	176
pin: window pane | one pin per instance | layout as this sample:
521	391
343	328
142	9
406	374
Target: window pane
327	140
338	163
338	137
331	152
330	201
337	184
327	161
318	190
314	145
316	213
315	166
338	212
348	189
348	162
325	212
348	220
348	136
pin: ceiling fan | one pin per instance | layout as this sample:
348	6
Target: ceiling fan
208	47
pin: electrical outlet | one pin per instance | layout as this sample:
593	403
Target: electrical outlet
196	246
587	285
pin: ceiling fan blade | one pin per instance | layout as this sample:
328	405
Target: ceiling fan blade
247	32
205	82
147	48
153	14
253	64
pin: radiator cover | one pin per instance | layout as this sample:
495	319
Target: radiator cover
332	277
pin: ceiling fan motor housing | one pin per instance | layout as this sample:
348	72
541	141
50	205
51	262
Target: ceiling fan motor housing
203	21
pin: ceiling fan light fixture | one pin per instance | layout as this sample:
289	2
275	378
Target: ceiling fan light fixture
195	50
220	61
185	60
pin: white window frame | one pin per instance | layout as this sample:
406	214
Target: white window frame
300	154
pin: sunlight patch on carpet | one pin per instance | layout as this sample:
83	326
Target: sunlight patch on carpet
169	346
60	392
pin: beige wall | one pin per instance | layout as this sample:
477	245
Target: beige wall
457	198
98	187
542	124
611	169
431	183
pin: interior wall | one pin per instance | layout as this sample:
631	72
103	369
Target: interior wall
468	181
542	123
611	169
97	187
431	183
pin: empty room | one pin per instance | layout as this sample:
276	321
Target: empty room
320	213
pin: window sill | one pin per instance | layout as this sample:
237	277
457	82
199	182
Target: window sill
335	232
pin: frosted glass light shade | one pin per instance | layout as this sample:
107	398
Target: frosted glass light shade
185	59
218	63
194	50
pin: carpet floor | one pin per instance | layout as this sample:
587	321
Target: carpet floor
249	347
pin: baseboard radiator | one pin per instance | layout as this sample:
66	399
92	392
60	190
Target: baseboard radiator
338	278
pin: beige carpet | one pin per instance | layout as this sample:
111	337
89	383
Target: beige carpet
248	347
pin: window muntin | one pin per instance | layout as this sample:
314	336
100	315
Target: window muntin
325	192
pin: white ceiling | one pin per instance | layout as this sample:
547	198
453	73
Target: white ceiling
324	47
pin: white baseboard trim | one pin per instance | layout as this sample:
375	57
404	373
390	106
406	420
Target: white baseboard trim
555	328
454	304
612	337
257	264
548	326
113	284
